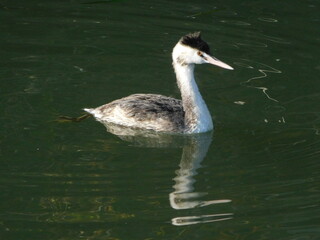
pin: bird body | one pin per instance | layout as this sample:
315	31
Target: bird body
165	114
149	111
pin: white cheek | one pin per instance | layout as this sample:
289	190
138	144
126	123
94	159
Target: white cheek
197	59
204	61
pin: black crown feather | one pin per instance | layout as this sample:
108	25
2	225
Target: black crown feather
194	40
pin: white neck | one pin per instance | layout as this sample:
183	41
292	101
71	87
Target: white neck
197	115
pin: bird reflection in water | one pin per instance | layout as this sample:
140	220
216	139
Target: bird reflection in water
184	196
194	150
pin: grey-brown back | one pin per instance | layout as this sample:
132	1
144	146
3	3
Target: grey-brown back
149	108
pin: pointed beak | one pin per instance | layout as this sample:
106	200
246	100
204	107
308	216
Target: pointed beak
217	62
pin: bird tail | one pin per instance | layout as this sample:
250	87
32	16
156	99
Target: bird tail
89	110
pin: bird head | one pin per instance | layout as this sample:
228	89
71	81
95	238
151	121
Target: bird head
191	49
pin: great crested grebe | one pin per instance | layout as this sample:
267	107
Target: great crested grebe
165	114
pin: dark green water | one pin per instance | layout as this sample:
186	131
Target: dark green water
255	177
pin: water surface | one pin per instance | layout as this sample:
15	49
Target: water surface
255	177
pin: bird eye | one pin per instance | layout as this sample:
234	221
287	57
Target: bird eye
200	54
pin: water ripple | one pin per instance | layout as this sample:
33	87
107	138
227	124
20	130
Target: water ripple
189	220
247	43
270	20
271	38
264	69
236	23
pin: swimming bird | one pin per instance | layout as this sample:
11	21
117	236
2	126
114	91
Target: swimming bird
165	114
